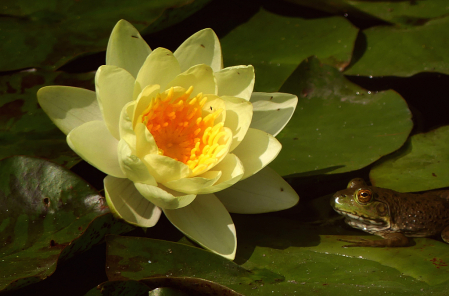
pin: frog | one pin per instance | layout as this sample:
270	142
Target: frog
392	215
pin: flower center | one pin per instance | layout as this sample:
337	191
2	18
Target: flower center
183	130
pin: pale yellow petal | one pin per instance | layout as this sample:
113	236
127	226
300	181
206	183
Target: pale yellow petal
163	197
165	169
114	87
237	81
207	222
126	203
256	151
126	126
264	192
160	68
69	107
272	111
132	166
93	142
213	104
195	184
231	170
239	113
203	47
201	77
126	48
143	100
145	143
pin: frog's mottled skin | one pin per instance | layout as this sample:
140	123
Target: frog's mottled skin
393	215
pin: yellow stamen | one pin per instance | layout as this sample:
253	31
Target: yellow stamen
181	132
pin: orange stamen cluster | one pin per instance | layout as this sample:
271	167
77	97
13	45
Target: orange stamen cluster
181	132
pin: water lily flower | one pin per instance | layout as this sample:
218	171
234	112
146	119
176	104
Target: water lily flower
178	133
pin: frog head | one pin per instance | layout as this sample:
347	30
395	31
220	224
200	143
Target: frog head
360	205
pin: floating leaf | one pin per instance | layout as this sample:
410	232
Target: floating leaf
45	34
338	126
422	164
398	12
404	51
301	259
403	12
172	286
47	215
285	42
137	258
24	128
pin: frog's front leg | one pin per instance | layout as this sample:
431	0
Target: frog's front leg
394	239
445	234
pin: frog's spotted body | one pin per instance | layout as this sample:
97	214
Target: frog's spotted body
392	215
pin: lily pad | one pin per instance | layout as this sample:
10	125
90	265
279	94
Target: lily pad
301	259
136	258
171	286
397	12
404	13
397	51
285	42
338	126
47	35
422	164
24	128
48	214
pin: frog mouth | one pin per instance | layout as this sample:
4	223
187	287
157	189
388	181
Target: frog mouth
360	218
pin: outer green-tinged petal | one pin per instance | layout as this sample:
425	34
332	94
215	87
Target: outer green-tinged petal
160	67
126	126
93	142
238	118
231	172
145	143
256	151
262	193
201	77
69	107
132	166
165	169
126	48
203	47
164	197
114	88
144	99
207	222
128	204
272	111
195	184
237	81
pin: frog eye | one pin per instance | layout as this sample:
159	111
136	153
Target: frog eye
364	196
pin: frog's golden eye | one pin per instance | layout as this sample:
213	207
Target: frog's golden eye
364	196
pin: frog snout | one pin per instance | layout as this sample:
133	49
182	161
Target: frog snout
335	197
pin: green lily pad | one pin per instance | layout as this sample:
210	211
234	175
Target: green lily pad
392	51
285	42
338	126
397	12
301	259
171	286
422	164
24	128
48	214
48	35
403	12
119	288
136	258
